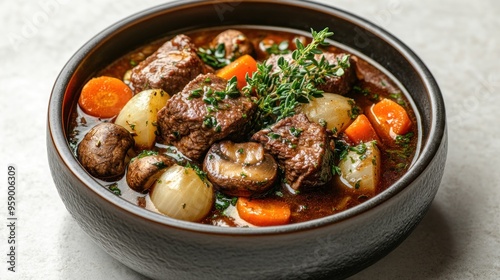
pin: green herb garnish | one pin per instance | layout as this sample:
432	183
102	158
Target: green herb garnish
398	97
222	202
294	82
295	131
281	48
215	57
198	171
114	189
144	153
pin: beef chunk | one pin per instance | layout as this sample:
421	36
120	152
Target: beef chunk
170	68
202	114
302	150
372	78
235	42
340	85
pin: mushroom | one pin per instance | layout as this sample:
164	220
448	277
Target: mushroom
240	169
143	171
103	150
235	42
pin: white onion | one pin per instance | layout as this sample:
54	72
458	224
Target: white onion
361	173
140	114
332	108
181	194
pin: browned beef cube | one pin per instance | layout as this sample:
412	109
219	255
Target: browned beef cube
200	115
333	84
301	148
372	79
170	68
340	85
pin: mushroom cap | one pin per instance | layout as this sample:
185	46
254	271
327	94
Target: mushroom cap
142	172
103	151
240	169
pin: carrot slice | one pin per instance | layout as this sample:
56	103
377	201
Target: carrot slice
104	97
242	66
389	118
263	212
361	130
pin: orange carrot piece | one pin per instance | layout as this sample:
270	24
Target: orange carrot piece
361	130
389	118
263	212
242	66
104	96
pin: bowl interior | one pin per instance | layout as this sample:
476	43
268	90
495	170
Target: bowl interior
358	35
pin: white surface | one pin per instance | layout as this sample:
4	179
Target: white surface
458	239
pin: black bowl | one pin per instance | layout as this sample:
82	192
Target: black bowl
334	247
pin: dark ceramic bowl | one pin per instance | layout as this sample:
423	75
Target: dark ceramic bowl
332	247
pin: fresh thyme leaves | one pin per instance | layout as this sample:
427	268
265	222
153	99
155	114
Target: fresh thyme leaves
273	135
280	91
232	88
213	99
295	131
281	48
195	93
209	121
215	57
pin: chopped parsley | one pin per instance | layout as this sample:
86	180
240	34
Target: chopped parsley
355	110
222	202
273	135
357	184
359	149
198	171
114	189
295	131
144	153
403	152
398	97
160	165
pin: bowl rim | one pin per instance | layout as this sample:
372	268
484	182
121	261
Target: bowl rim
56	125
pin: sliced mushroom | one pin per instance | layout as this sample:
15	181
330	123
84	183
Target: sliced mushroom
240	169
103	151
143	171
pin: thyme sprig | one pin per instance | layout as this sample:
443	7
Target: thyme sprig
280	91
215	57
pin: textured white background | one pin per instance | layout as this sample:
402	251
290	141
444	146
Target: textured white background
459	41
